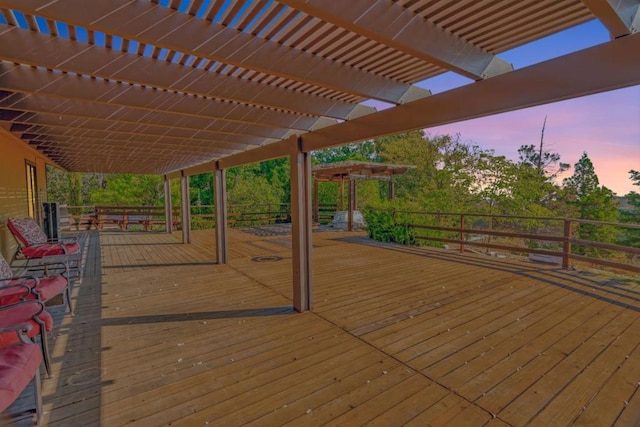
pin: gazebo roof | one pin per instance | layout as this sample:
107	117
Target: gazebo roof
357	170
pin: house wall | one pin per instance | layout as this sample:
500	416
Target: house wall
14	154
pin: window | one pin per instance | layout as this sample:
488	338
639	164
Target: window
32	191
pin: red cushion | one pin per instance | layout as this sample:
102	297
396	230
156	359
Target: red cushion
18	365
13	294
50	249
51	286
20	315
47	288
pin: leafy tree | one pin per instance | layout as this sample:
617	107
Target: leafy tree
128	189
584	179
631	237
545	163
591	202
364	151
443	172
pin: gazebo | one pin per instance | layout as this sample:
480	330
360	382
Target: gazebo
352	171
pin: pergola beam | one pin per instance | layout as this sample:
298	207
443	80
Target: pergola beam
41	50
391	24
621	17
163	27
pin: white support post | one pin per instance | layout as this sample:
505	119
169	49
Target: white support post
220	190
168	211
301	228
185	208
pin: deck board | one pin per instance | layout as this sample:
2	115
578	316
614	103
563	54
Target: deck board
398	336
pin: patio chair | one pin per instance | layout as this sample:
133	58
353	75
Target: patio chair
20	365
20	288
21	322
35	248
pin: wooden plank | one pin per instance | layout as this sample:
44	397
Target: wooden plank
247	359
540	394
611	404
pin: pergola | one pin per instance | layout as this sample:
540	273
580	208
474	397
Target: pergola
352	171
181	87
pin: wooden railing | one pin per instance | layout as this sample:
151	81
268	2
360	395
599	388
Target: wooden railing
202	216
546	236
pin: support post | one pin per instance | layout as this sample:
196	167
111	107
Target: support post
392	194
316	202
566	244
220	190
350	203
186	208
301	228
462	226
341	192
168	211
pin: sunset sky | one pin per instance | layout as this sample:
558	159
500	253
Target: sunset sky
606	125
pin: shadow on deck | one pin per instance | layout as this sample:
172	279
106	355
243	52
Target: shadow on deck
398	335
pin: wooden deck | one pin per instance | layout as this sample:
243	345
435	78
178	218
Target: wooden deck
164	336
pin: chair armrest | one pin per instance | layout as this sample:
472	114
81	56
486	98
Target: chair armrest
25	278
26	327
28	289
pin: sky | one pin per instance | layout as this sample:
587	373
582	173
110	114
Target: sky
606	126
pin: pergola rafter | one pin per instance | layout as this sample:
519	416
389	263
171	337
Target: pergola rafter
52	109
27	79
169	29
50	52
392	25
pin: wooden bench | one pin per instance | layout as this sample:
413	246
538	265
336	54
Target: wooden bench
125	216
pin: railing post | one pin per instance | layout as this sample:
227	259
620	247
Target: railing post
462	233
566	245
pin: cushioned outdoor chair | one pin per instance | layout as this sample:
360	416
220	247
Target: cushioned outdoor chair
22	322
19	365
20	288
36	249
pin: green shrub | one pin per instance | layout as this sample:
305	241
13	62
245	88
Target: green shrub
382	226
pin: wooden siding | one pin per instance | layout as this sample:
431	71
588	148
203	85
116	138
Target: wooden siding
13	185
398	336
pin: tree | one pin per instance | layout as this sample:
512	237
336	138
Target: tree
591	202
631	237
545	163
584	179
129	190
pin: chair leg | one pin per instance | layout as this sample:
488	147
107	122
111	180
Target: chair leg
45	350
38	396
67	294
